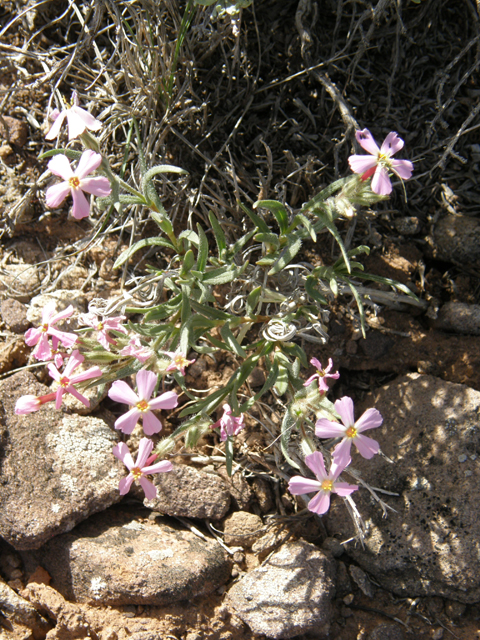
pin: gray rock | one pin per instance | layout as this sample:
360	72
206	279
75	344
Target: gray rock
428	545
57	469
457	239
190	493
19	281
242	528
459	318
64	298
14	315
19	611
238	488
117	558
362	581
288	595
407	226
386	631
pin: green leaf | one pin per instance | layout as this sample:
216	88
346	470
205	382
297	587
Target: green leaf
324	194
257	221
278	210
202	249
281	383
310	288
288	423
240	244
296	351
268	384
221	275
286	256
231	341
148	242
334	286
268	238
392	283
210	312
70	153
218	233
191	236
163	222
186	309
188	262
306	223
252	301
160	168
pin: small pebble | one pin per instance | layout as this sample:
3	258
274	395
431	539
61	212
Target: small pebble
438	634
348	599
462	457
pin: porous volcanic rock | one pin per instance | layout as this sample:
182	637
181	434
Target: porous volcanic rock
428	546
190	493
288	595
457	239
120	558
57	469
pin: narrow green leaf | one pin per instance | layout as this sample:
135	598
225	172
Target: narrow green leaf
268	238
392	283
210	312
221	275
257	220
188	262
288	423
252	301
281	383
70	153
160	168
324	194
218	233
278	210
202	249
286	256
334	286
310	288
230	339
147	242
306	223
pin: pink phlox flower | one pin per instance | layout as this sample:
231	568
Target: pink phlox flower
66	380
57	354
29	404
325	484
350	430
229	424
141	467
76	182
179	361
136	348
103	326
141	403
380	161
77	119
322	374
39	335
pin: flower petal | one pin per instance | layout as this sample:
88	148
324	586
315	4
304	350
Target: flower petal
54	373
344	408
315	463
97	185
67	339
360	164
344	489
32	336
160	467
93	372
89	161
151	424
43	351
55	129
381	182
56	194
81	206
88	120
60	166
58	398
74	361
61	315
78	395
149	489
146	381
392	144
76	126
299	485
367	447
167	400
371	419
145	447
121	392
341	457
403	168
320	503
128	421
122	452
367	142
125	484
327	429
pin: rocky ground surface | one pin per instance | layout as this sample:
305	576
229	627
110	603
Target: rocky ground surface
219	558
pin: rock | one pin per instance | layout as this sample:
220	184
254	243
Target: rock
13	354
386	631
237	487
14	315
454	609
457	239
362	581
19	611
64	298
19	281
189	493
333	546
57	469
407	226
427	546
242	529
13	131
257	378
274	537
459	318
114	558
263	493
288	595
376	344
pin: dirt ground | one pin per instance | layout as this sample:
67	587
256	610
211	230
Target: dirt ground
262	105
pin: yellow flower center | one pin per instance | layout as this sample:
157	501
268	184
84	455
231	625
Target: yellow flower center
99	326
180	360
64	382
136	473
143	406
351	432
74	182
44	328
327	485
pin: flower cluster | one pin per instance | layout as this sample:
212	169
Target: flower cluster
350	431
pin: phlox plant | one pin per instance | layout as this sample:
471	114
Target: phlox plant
274	305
